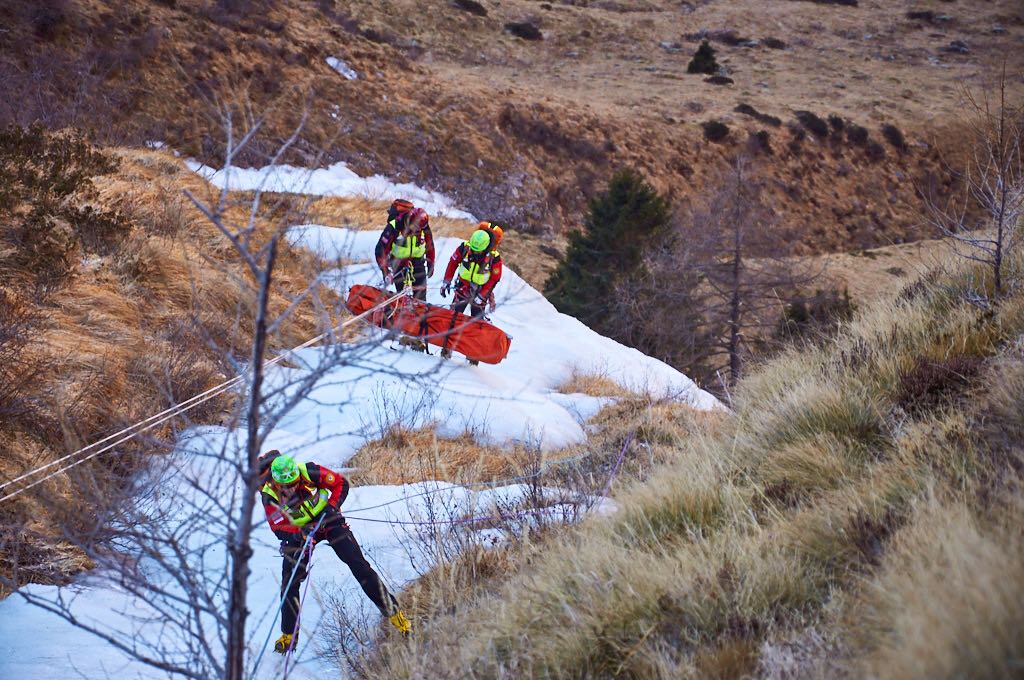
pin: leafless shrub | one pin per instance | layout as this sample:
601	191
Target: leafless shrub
17	319
894	136
984	219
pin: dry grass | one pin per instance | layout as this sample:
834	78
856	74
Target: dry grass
512	128
132	332
820	509
948	602
406	456
592	385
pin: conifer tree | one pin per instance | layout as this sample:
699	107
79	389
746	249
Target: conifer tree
620	224
703	60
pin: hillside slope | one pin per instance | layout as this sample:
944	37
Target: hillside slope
514	403
525	130
858	515
138	320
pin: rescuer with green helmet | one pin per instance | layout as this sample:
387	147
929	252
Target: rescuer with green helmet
300	498
477	263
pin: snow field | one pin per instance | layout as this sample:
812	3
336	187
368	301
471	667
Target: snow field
515	401
335	180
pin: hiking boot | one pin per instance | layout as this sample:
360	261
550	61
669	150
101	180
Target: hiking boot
474	362
413	343
285	642
399	621
446	353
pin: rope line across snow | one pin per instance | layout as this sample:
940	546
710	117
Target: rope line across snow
149	423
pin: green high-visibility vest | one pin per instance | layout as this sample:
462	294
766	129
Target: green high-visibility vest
309	508
475	272
411	247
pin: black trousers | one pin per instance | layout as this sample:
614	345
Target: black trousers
464	295
419	277
336	532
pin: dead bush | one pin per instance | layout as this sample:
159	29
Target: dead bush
526	30
471	6
894	136
816	316
856	134
17	319
929	384
49	18
814	123
748	110
715	131
759	143
45	186
874	151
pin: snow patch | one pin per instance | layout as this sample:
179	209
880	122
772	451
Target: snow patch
514	401
343	68
334	180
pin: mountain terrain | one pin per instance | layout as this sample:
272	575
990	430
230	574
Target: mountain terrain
850	506
526	129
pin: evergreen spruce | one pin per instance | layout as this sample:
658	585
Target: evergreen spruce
620	225
703	60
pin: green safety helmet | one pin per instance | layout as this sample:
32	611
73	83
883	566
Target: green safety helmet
284	470
479	241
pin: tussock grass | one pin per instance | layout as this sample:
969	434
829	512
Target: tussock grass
404	456
591	384
824	508
129	332
948	602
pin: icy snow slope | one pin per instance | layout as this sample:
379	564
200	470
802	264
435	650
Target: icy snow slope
514	400
335	180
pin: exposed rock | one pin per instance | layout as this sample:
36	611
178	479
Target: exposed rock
471	6
524	29
956	47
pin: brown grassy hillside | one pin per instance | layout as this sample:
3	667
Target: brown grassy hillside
142	323
858	515
523	130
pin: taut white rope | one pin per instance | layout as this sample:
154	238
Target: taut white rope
149	423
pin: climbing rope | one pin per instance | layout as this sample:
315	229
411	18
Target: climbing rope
307	545
149	423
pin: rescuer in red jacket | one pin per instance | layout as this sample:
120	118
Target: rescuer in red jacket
406	244
478	264
301	497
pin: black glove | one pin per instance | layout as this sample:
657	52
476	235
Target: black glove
446	288
430	269
290	546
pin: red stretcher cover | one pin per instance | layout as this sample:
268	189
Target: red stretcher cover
476	339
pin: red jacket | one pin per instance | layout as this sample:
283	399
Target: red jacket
490	261
285	513
394	229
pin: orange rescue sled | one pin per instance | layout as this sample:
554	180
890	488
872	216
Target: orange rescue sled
474	338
